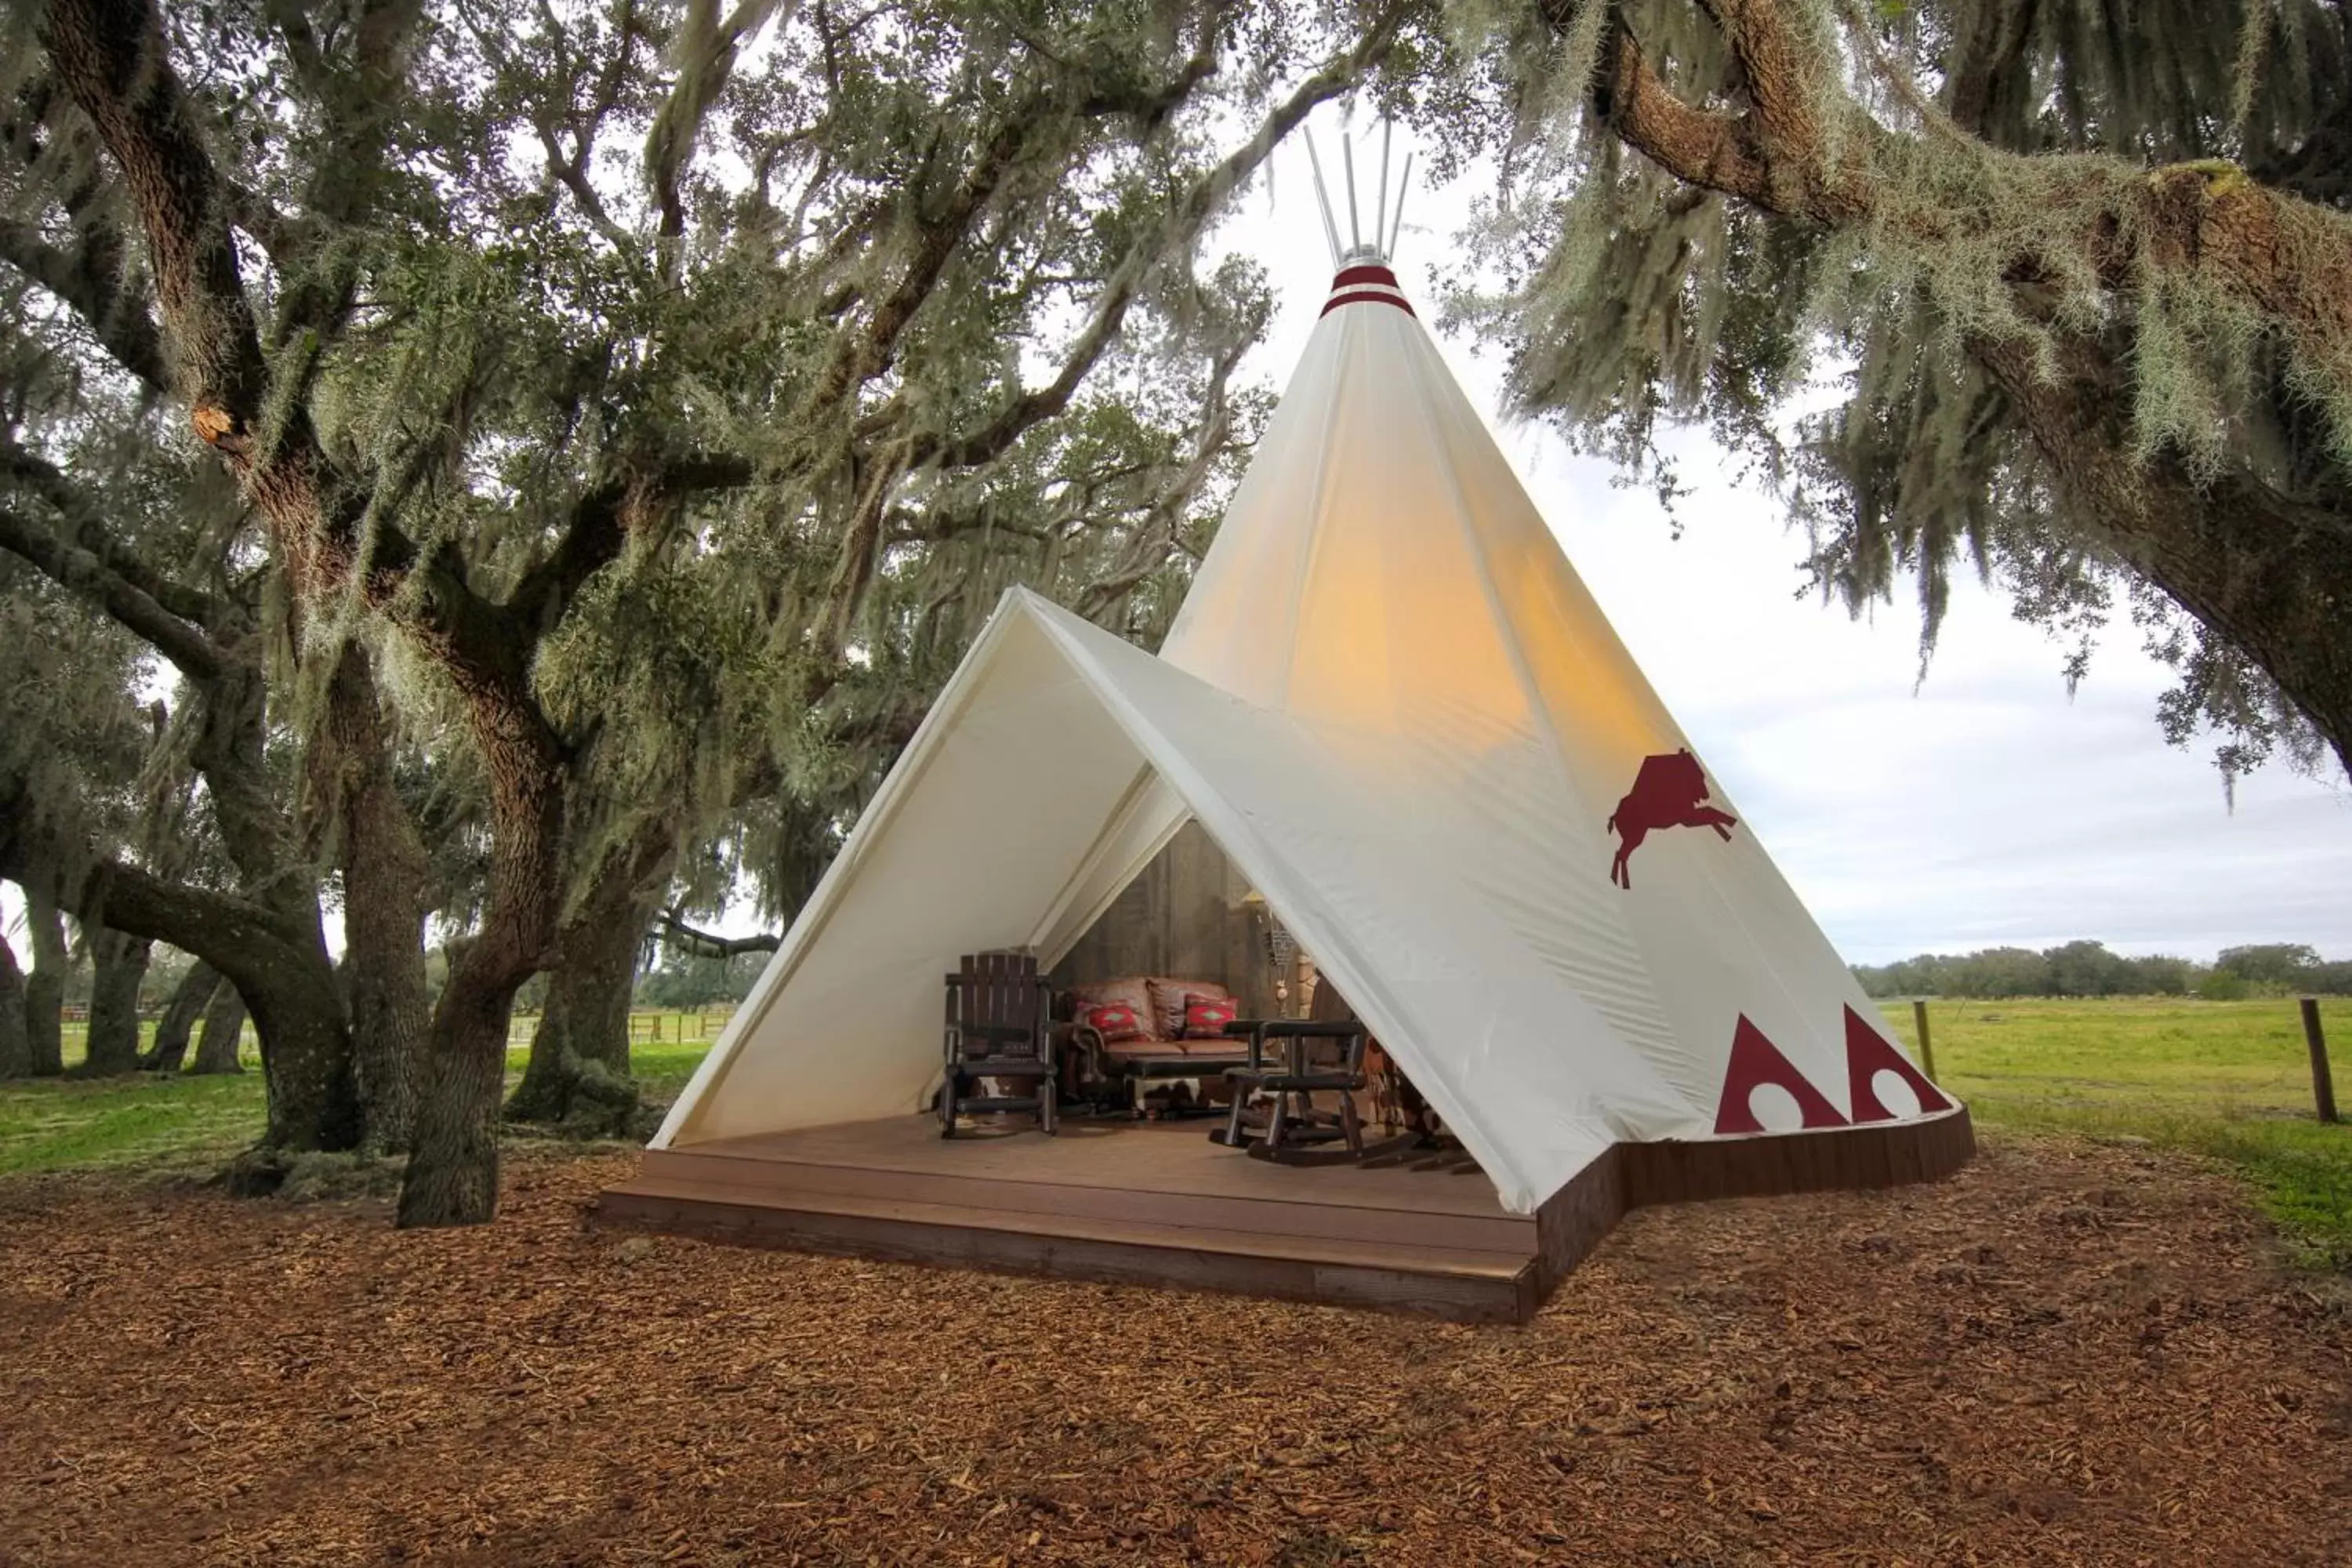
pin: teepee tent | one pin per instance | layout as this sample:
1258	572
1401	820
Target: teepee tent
1391	702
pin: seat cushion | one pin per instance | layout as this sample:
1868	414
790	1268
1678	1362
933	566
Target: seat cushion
1220	1051
1220	1047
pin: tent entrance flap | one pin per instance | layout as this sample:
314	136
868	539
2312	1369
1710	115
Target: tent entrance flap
980	826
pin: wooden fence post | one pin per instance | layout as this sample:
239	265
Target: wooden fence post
2323	1083
1927	1048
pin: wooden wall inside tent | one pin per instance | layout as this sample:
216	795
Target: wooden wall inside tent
1184	916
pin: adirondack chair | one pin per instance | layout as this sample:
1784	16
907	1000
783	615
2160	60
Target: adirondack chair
1000	1028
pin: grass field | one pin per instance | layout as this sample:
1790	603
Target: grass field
2229	1079
2226	1079
188	1122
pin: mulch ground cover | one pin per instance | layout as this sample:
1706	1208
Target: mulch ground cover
2071	1352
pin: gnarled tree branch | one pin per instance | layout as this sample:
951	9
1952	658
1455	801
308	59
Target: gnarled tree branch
45	480
1191	214
702	944
2257	566
2288	258
83	572
89	284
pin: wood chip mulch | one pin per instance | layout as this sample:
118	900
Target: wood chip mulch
2068	1354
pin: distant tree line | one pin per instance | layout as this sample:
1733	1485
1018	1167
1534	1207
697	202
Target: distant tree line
2089	969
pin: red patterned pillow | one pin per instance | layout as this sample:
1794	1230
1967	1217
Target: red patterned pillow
1114	1021
1205	1017
1171	996
1128	992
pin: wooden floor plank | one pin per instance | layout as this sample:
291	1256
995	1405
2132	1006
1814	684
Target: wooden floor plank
1162	1157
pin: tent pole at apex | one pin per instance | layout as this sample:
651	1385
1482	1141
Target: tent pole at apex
1322	198
1348	158
1402	180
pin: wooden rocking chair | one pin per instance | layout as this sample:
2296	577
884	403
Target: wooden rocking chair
1285	1081
1000	1027
1275	1115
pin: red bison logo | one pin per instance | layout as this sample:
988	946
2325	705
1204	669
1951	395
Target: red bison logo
1669	792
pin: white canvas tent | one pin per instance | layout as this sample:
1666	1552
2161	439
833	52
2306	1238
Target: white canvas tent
1392	703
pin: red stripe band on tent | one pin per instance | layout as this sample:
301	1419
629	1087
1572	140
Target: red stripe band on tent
1356	296
1364	275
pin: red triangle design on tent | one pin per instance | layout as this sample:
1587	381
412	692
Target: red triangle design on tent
1757	1060
1868	1054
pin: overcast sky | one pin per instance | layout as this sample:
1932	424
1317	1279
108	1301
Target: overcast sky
1985	807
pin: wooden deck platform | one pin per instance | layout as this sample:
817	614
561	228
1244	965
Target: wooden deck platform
1161	1205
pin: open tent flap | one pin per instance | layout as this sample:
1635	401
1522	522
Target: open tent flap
983	824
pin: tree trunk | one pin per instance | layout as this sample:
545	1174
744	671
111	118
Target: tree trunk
452	1161
15	1041
119	964
577	1079
276	960
386	877
217	1046
304	1028
392	1004
44	988
268	939
297	1002
188	1002
453	1165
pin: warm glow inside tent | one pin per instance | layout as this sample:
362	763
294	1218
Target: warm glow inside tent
1393	706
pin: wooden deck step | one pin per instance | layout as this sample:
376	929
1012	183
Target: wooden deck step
1463	1283
1477	1261
1285	1211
